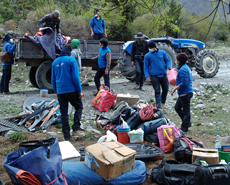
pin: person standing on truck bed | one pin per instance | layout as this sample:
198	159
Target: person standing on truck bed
7	67
104	62
52	21
97	26
66	83
157	61
139	49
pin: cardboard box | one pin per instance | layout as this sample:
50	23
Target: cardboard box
109	159
224	141
130	99
211	156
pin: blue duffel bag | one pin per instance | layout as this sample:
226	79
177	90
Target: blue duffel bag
151	126
78	173
41	158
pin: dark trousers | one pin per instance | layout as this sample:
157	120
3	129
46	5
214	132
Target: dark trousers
6	76
99	74
98	36
76	102
182	108
158	84
139	72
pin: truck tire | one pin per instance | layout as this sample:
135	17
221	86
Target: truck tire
32	76
207	64
43	75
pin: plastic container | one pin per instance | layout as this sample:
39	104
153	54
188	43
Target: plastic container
43	92
225	156
218	145
136	135
222	161
123	136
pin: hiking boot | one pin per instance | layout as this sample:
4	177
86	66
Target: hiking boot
163	105
160	109
78	133
141	88
137	86
185	131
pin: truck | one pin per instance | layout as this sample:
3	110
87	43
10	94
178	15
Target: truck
203	60
41	63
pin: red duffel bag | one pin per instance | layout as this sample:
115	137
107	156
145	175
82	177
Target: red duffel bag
105	99
172	76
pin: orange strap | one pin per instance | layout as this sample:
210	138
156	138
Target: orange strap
63	175
27	178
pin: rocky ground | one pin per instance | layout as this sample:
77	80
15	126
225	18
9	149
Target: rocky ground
210	108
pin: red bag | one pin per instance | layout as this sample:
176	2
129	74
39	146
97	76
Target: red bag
172	76
104	99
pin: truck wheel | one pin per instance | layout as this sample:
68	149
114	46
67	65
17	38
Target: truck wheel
207	64
169	50
32	74
43	75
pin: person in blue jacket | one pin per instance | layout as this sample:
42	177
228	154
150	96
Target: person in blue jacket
97	26
66	83
104	62
185	91
7	67
157	62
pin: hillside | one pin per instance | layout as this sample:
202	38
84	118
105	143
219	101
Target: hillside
203	7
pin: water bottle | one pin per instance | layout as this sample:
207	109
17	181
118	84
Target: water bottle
218	145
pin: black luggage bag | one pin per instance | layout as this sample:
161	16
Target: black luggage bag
213	174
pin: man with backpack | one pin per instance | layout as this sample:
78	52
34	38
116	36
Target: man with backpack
139	49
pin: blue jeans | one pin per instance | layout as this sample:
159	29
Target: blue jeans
98	36
158	83
139	72
76	102
99	74
182	108
6	76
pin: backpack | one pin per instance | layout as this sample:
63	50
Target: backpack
171	172
183	147
124	113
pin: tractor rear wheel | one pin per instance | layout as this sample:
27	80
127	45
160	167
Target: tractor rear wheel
207	64
32	74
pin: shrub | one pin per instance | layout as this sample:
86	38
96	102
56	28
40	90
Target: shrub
18	136
10	25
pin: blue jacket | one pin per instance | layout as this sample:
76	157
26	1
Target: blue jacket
10	48
184	80
102	62
97	25
158	61
65	75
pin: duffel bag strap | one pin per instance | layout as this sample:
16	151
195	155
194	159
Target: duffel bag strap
36	143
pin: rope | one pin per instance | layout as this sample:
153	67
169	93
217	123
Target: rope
146	113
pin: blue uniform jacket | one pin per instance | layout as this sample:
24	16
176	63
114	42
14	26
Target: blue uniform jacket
158	62
65	75
10	48
97	25
184	80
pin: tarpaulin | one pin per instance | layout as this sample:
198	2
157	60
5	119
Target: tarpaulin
79	173
50	42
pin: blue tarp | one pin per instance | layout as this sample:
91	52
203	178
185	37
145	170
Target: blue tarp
50	42
78	173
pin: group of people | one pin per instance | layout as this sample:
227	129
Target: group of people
151	63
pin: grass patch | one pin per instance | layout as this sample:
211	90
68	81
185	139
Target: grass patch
18	136
152	101
8	150
207	96
89	80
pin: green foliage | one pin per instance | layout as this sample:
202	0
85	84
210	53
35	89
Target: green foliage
18	136
173	15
